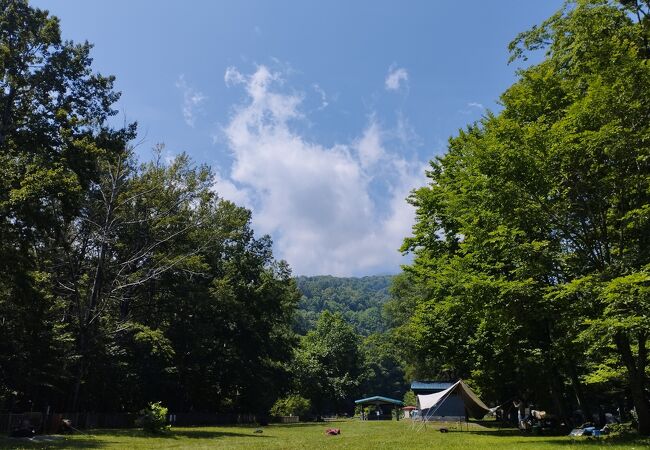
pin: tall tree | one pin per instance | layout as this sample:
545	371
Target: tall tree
532	236
53	131
328	366
384	373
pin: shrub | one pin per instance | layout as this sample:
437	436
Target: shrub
410	399
293	405
368	410
153	418
620	428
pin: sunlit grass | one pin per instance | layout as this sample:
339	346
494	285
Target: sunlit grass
354	435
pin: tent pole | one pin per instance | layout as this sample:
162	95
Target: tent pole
442	400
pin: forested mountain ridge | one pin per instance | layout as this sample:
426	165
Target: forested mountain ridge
359	300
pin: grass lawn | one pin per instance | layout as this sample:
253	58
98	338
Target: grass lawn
354	435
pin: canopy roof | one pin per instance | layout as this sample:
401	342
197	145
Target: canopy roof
475	407
379	400
430	385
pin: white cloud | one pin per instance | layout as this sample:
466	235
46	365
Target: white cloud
323	97
472	108
315	200
192	100
395	78
232	77
227	190
369	147
406	133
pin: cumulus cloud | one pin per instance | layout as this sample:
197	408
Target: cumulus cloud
227	190
370	147
192	100
316	200
397	76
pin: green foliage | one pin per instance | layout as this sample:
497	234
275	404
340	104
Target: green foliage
293	405
358	300
531	242
153	418
328	365
618	429
410	398
53	131
121	282
383	367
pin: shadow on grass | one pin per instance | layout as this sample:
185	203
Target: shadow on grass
315	425
329	424
13	443
102	438
183	433
560	440
503	432
211	434
632	441
494	424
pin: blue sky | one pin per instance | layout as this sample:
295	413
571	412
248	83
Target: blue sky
318	116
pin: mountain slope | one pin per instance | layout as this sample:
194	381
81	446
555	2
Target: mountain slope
359	300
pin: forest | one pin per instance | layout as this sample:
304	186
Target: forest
359	300
127	281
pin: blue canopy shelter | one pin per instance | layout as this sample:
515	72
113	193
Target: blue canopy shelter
381	403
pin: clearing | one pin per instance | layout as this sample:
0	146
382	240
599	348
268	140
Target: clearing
354	434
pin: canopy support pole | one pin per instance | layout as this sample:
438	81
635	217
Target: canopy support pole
429	414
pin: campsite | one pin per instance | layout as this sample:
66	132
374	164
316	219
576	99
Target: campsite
442	420
325	224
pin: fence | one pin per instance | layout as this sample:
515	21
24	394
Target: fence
288	419
97	420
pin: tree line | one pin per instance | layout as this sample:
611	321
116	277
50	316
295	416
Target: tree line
125	282
121	282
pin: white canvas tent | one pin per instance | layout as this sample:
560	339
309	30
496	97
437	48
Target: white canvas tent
452	402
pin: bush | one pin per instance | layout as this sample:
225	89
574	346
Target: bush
410	399
293	405
620	428
153	419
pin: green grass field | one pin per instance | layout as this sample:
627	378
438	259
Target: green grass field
354	435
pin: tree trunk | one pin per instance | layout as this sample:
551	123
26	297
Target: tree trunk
577	389
558	401
76	393
636	380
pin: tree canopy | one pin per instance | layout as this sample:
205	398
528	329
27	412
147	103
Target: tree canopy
531	242
121	283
